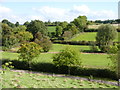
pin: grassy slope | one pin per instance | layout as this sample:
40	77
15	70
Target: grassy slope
58	47
28	80
89	36
51	28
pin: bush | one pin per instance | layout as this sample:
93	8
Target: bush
68	57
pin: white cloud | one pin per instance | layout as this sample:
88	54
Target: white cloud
54	14
46	13
4	9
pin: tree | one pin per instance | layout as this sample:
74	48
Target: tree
17	24
8	41
37	26
71	27
68	57
114	55
29	51
63	24
26	23
59	31
105	36
67	35
81	23
20	28
24	36
8	23
43	41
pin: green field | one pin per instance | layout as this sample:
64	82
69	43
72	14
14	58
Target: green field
58	47
88	36
88	60
51	28
12	79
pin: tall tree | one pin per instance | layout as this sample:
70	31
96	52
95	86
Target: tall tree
105	36
37	26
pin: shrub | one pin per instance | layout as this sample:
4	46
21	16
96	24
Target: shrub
68	57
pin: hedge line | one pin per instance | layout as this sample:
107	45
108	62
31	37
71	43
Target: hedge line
51	68
78	42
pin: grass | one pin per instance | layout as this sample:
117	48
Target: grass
88	36
58	47
12	79
51	28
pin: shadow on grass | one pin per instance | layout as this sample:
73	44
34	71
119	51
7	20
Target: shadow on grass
51	68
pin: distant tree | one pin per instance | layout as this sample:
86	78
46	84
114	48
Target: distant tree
59	31
43	41
20	28
67	35
81	23
71	27
26	23
37	26
63	24
8	23
105	36
67	57
8	41
6	30
24	36
17	24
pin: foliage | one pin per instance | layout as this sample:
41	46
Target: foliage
67	35
24	36
5	21
9	41
81	23
20	28
63	24
105	36
67	57
71	27
29	51
37	26
43	41
59	30
114	56
17	24
7	66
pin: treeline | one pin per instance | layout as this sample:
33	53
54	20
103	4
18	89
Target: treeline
56	23
13	35
116	21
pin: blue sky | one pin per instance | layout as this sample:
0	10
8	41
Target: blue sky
57	10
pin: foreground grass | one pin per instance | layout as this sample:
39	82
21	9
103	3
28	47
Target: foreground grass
12	79
87	36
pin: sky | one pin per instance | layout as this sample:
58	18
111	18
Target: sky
57	10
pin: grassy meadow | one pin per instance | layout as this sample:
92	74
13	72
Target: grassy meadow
87	36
